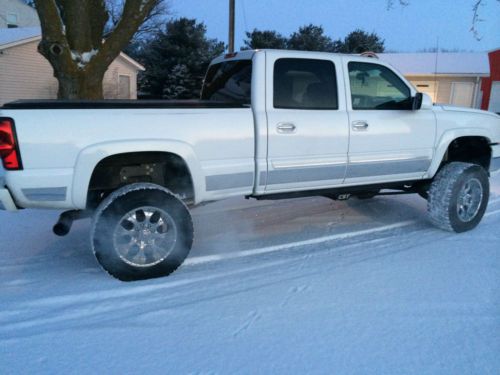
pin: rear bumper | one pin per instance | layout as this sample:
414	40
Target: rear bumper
6	201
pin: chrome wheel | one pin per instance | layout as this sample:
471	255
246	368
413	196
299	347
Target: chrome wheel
469	200
145	236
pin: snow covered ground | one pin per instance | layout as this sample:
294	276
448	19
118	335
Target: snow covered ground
299	286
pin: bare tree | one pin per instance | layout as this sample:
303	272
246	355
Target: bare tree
476	18
80	44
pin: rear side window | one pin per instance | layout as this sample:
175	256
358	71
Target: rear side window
229	81
305	84
375	86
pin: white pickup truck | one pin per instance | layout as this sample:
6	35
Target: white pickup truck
269	125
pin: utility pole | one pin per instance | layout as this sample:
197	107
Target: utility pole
231	26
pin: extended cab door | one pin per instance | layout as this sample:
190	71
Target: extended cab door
388	140
307	121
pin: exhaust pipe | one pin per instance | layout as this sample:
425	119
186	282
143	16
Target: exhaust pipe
63	225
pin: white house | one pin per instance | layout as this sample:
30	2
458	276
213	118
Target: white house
26	74
449	78
15	13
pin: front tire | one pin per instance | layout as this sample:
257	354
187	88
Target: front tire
141	231
458	197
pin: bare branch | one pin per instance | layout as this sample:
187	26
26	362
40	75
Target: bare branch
133	15
403	3
476	19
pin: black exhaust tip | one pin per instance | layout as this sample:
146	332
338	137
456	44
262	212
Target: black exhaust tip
63	225
61	229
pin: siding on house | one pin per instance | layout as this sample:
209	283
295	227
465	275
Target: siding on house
440	72
111	85
444	86
26	15
25	74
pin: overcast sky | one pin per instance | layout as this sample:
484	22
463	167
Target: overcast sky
404	29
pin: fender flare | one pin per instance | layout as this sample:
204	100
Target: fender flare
89	157
449	136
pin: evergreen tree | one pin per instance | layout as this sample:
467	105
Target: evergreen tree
312	38
258	39
176	60
360	41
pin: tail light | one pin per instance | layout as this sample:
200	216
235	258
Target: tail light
9	148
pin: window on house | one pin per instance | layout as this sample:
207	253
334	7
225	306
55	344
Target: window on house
124	87
12	20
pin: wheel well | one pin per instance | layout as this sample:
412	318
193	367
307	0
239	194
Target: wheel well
162	168
474	150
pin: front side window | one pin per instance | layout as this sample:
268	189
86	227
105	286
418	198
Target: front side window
375	86
305	84
229	81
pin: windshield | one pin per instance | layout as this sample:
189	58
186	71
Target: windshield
229	81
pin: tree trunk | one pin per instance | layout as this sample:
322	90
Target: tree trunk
75	44
81	85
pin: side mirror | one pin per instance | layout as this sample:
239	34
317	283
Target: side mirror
417	101
426	102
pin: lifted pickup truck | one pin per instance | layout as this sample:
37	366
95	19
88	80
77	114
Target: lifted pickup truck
269	125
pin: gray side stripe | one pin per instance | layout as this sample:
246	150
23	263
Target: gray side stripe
336	172
388	167
495	164
284	176
56	194
229	181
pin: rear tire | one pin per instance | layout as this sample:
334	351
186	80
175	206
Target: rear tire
141	231
458	197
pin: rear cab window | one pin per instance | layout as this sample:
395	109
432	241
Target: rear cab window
305	84
376	87
229	81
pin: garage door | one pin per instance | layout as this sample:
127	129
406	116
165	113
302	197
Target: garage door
462	93
494	105
427	87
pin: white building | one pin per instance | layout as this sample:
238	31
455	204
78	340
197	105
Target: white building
449	78
26	74
15	13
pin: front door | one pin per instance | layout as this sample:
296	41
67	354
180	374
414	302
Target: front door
307	122
388	140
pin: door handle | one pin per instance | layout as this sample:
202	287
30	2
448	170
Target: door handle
286	127
359	125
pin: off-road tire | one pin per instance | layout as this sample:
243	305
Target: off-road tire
444	204
110	215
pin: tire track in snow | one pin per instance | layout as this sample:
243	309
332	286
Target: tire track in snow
291	245
73	307
250	320
79	307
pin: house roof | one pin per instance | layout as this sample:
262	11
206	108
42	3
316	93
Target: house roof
448	63
15	35
21	35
